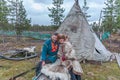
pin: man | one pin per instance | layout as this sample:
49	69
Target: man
49	52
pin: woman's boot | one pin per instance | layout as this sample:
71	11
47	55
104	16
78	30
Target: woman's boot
72	75
78	77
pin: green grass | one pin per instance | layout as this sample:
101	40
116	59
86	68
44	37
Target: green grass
12	68
101	72
91	72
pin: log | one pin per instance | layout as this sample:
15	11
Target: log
118	58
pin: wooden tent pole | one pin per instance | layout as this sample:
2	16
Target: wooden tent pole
76	1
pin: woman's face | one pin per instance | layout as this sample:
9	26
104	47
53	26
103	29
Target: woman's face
61	41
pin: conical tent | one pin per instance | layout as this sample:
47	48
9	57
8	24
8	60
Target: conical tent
82	37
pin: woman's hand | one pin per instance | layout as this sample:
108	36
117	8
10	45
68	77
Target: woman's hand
63	58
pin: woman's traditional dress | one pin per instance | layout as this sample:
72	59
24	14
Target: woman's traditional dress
71	61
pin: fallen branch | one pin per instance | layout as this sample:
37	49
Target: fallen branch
21	74
1	66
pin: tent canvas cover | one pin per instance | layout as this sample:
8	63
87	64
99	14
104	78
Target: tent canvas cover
82	37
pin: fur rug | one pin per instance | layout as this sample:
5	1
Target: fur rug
56	71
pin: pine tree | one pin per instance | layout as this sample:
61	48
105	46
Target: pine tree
56	12
3	17
117	12
109	16
3	14
85	9
22	23
19	17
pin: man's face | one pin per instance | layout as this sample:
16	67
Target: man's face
54	37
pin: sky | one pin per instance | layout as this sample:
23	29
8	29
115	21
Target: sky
37	10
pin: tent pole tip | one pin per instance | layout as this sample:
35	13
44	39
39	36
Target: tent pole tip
76	1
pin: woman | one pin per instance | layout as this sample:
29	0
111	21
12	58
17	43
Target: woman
68	58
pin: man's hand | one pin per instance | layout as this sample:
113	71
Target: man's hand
43	63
